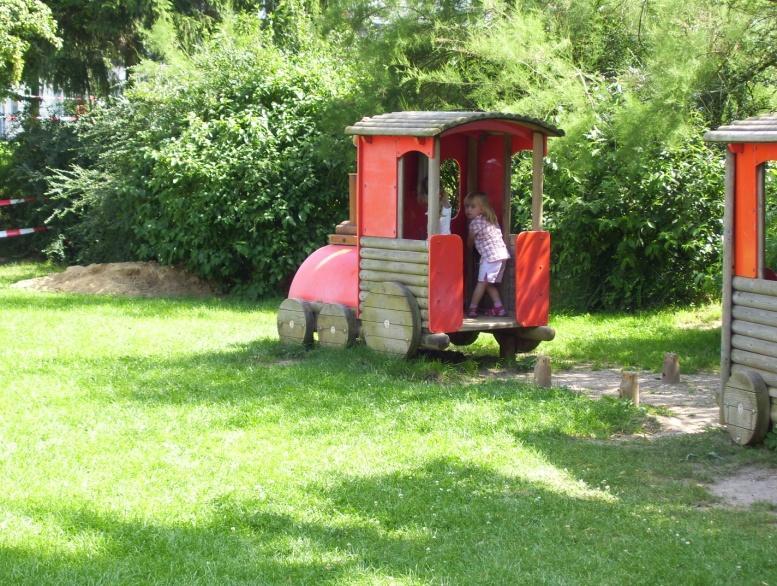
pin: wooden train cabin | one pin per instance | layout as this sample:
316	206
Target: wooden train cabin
389	275
748	364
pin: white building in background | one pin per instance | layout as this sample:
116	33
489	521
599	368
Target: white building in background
52	104
11	110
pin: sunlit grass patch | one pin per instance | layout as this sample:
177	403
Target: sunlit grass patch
176	441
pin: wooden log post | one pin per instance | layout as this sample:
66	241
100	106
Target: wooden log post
728	277
433	204
670	374
538	152
629	387
542	373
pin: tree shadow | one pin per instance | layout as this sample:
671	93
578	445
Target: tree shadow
446	521
106	548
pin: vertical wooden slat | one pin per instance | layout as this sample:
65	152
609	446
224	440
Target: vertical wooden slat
352	198
433	218
538	153
728	275
507	217
472	164
504	290
401	197
761	227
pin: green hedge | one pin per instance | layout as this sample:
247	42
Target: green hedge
231	162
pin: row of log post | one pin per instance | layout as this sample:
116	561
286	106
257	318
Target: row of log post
629	386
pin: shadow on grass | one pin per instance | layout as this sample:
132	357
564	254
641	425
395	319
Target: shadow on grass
135	306
445	521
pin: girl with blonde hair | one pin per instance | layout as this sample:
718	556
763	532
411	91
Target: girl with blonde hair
486	237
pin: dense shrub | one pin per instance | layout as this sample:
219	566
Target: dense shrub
24	167
648	233
231	162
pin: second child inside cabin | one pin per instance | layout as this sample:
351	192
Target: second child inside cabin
485	235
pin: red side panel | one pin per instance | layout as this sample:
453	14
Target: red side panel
491	171
748	157
745	216
446	283
377	188
329	275
532	278
377	181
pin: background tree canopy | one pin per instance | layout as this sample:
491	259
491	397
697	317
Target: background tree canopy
226	151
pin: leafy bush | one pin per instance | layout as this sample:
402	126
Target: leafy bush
24	168
231	162
628	236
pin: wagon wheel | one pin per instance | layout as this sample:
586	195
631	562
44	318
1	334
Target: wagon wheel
510	344
463	338
336	326
391	320
296	322
746	407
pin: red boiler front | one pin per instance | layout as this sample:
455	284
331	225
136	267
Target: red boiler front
329	275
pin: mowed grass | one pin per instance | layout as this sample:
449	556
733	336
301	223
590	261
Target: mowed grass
161	441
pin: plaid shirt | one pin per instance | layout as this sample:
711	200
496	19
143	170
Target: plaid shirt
488	240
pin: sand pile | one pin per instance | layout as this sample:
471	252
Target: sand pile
135	279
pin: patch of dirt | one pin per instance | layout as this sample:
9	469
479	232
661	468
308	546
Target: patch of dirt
133	279
689	406
747	487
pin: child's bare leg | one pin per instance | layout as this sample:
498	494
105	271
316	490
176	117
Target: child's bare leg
493	293
477	294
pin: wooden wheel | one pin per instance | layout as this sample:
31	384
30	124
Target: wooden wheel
391	320
463	338
336	326
746	407
296	322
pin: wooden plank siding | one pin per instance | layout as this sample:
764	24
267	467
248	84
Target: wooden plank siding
753	340
394	259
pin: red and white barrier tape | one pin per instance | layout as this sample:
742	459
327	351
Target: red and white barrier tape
11	202
21	231
18	117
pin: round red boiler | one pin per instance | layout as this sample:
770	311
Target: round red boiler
329	275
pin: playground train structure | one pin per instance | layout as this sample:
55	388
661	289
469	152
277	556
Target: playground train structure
748	358
388	276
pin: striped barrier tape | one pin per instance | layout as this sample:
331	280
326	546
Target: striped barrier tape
21	231
11	202
52	118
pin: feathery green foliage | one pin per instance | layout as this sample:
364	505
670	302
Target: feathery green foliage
229	162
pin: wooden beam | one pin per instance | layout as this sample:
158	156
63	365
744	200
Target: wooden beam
433	207
728	274
395	255
760	179
755	301
401	197
416	280
390	266
472	164
538	153
762	286
394	244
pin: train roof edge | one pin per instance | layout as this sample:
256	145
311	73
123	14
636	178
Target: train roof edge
415	123
756	129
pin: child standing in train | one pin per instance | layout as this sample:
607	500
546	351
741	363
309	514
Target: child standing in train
485	235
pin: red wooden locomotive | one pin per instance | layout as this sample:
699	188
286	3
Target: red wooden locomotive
389	276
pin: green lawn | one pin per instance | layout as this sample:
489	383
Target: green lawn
159	441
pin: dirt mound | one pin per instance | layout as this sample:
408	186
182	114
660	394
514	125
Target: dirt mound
134	279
